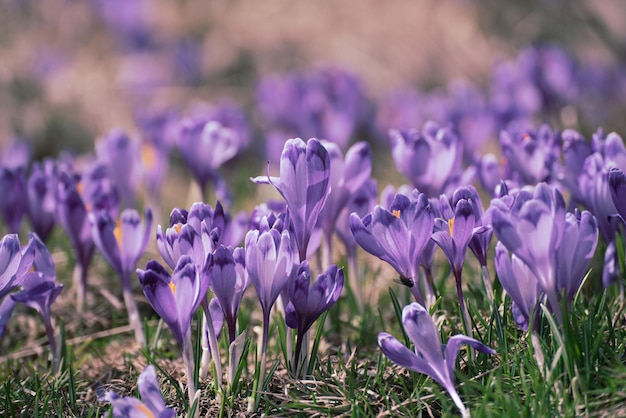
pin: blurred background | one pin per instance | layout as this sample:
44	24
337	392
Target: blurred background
73	70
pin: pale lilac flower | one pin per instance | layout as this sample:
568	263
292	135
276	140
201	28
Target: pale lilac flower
229	281
307	301
304	183
123	242
39	290
398	236
430	356
429	159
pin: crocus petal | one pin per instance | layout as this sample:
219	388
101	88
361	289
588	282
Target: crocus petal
402	356
454	344
150	392
420	328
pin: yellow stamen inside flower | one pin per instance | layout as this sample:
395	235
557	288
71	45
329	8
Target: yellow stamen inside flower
148	155
144	410
177	227
117	232
396	213
451	225
32	269
80	187
172	286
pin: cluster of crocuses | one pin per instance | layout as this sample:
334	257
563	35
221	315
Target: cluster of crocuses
544	249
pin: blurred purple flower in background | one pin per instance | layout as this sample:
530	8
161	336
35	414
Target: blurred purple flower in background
72	215
531	155
347	177
327	103
430	357
122	157
205	146
430	159
14	198
41	192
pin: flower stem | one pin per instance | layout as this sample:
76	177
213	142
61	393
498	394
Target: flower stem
465	314
53	343
131	308
79	277
189	366
354	278
253	402
215	354
484	273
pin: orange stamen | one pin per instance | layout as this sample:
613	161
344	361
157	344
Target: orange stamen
117	232
172	286
451	225
396	213
148	155
177	227
144	410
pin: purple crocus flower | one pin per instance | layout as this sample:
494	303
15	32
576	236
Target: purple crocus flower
397	236
271	261
39	290
453	234
617	188
430	356
42	197
229	281
14	200
182	238
481	234
556	247
304	183
121	155
73	217
520	283
347	176
362	202
122	242
205	146
307	301
14	264
176	298
153	405
326	103
429	159
531	155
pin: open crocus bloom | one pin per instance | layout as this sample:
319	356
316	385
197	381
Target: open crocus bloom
430	356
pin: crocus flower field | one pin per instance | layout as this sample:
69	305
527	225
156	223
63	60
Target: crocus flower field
301	247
